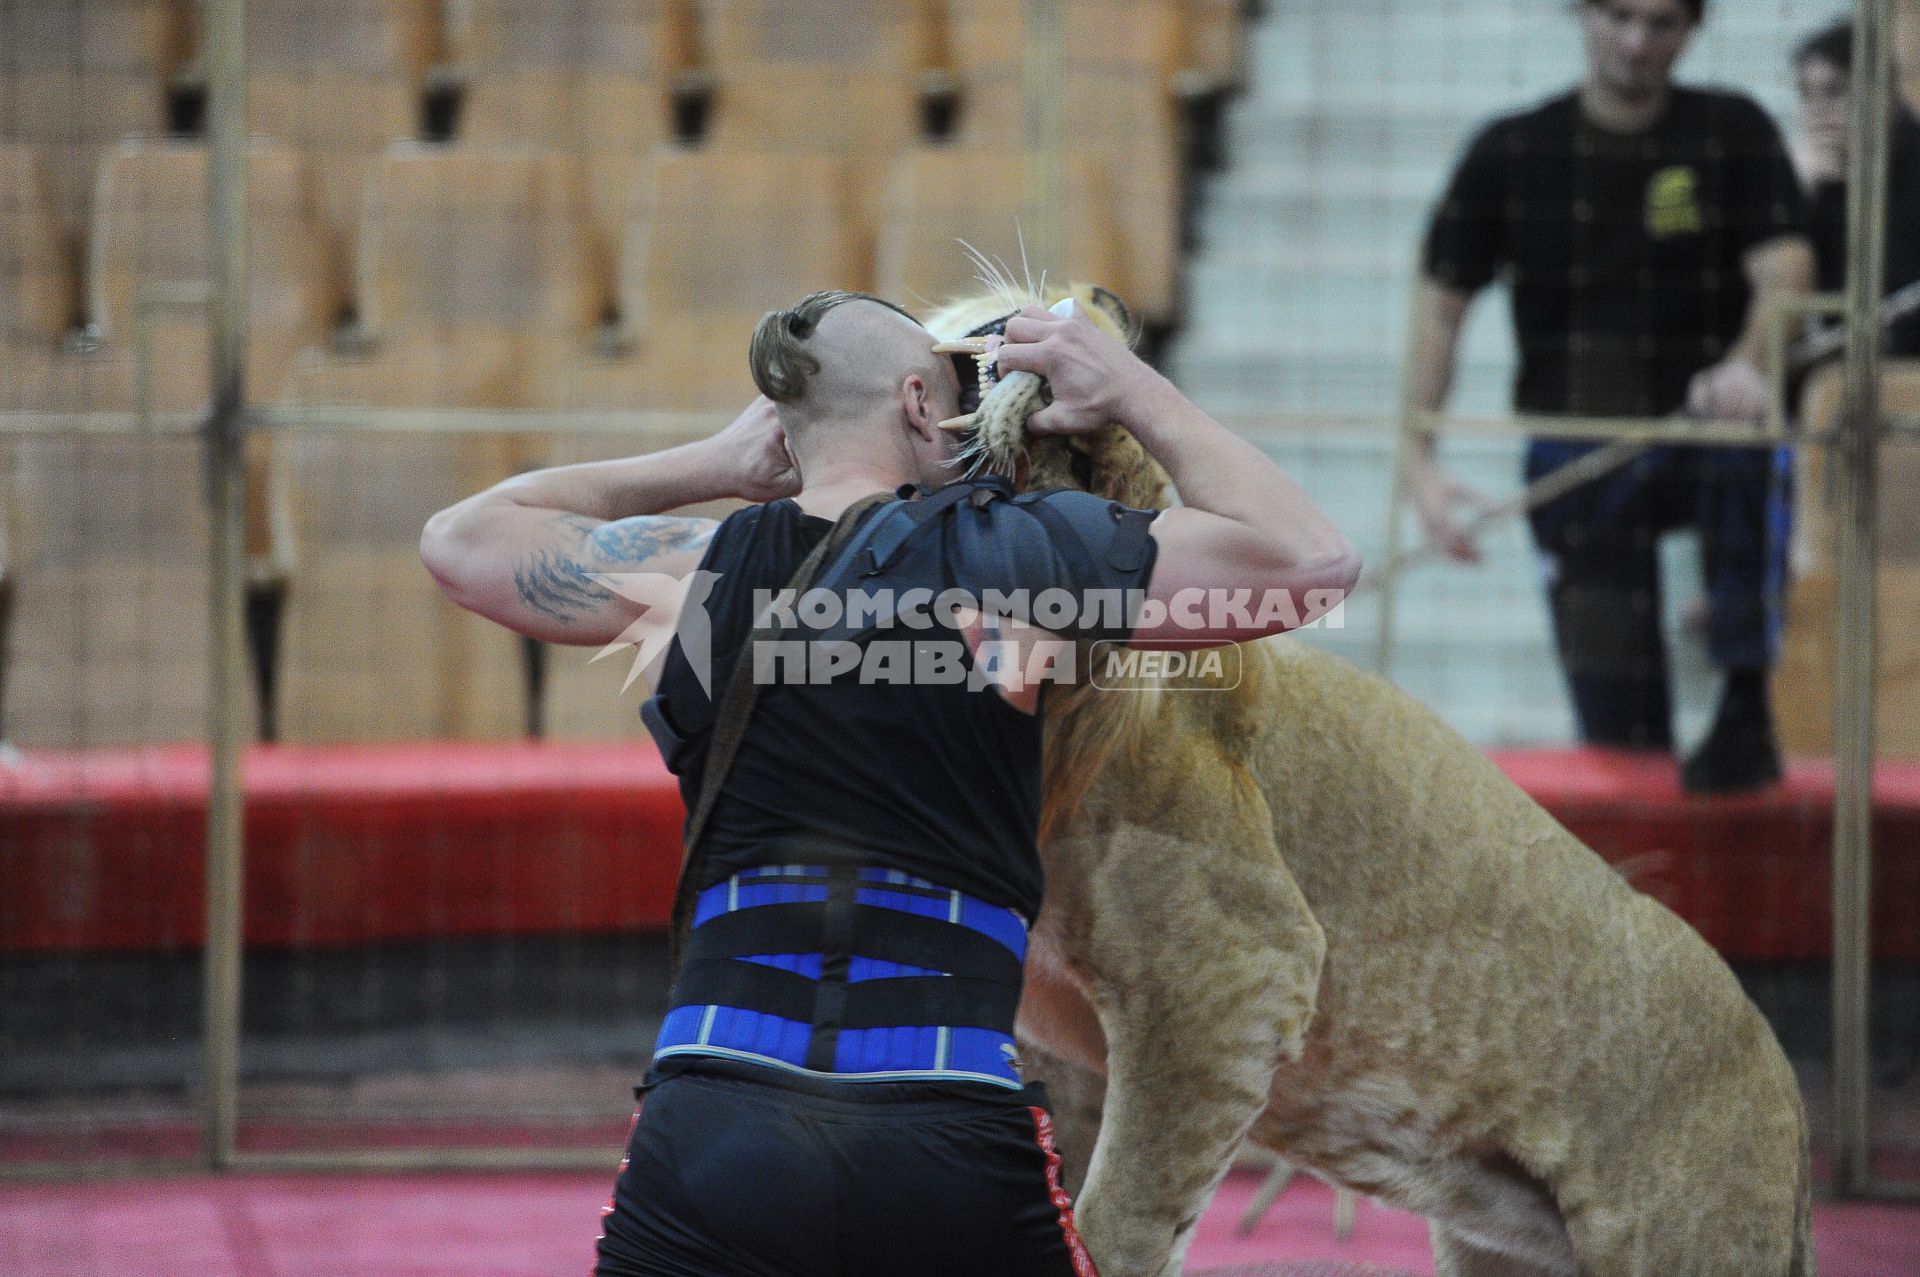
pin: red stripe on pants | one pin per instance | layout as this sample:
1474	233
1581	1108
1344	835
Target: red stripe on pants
608	1209
1043	1135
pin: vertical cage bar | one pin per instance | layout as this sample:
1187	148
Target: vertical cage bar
1857	459
1398	494
1043	85
1389	586
225	440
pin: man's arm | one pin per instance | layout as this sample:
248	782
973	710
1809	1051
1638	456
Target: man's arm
1245	524
1736	388
526	552
1439	315
1767	215
1465	244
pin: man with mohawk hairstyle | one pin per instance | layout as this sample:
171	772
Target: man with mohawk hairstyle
834	1088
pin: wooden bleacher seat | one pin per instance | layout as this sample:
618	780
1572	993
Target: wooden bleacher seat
109	573
1803	681
985	39
1215	45
942	195
38	299
471	239
1191	46
589	78
150	235
339	82
476	273
151	229
715	239
1124	60
37	296
77	76
843	77
370	650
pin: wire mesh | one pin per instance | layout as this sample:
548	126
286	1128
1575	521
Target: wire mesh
519	212
1893	1032
103	586
99	849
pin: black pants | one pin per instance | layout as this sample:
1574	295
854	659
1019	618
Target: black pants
735	1170
1603	576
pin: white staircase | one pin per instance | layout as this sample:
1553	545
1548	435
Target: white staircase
1355	113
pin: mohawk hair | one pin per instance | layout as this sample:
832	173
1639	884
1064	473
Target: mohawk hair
778	355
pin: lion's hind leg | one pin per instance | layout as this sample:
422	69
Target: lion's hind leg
1700	1215
1717	1185
1457	1256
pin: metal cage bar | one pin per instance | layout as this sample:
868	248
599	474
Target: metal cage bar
1043	161
225	442
1856	499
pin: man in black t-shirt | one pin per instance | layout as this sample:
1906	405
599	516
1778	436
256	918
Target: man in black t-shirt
1642	228
834	1088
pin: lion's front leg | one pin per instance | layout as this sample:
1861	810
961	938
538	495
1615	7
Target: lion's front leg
1204	965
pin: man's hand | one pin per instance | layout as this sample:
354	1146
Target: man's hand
1439	497
1731	390
1092	376
1242	526
754	449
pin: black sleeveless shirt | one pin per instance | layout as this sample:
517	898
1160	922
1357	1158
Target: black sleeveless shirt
936	779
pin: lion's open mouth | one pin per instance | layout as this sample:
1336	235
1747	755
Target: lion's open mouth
977	375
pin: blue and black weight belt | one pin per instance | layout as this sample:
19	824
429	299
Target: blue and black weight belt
851	973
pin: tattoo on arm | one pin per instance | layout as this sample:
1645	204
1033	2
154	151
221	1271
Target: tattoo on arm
554	583
629	542
558	582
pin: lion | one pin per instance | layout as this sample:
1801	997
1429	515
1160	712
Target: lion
1306	914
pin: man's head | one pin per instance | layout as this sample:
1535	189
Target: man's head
1823	73
1632	45
1831	48
855	377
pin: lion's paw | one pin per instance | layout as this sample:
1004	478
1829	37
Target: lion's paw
1126	1243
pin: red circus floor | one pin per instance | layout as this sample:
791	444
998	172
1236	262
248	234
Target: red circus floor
525	1225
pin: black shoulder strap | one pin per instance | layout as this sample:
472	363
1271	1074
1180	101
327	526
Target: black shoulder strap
900	523
736	707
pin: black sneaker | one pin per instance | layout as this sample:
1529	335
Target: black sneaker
1739	753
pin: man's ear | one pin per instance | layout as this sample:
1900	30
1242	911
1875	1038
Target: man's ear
916	397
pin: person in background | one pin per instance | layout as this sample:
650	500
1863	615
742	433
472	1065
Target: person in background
1644	229
1823	74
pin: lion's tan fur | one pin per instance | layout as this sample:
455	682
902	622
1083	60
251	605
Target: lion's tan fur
1308	913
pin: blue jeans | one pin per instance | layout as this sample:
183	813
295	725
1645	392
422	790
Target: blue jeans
1600	543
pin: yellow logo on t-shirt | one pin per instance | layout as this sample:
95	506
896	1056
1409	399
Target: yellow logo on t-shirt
1673	203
